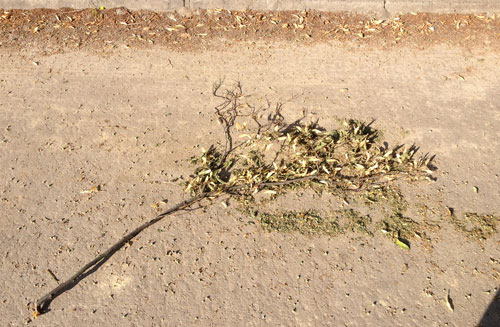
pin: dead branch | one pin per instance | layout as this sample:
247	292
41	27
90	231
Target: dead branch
366	166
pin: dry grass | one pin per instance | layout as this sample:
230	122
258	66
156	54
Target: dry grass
476	226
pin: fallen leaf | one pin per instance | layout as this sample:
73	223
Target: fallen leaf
402	244
94	189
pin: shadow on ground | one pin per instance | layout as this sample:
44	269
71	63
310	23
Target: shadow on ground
491	317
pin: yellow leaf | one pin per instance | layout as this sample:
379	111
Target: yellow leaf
402	244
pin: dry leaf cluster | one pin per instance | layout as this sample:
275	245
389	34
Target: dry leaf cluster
98	28
346	159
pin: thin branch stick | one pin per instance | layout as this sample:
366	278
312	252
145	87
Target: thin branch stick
43	303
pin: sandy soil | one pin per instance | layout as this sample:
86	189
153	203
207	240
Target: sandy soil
128	118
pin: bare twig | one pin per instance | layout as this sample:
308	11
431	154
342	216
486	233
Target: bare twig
227	112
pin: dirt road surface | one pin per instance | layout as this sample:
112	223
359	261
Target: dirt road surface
124	117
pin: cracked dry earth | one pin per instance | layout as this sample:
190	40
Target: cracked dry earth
95	134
